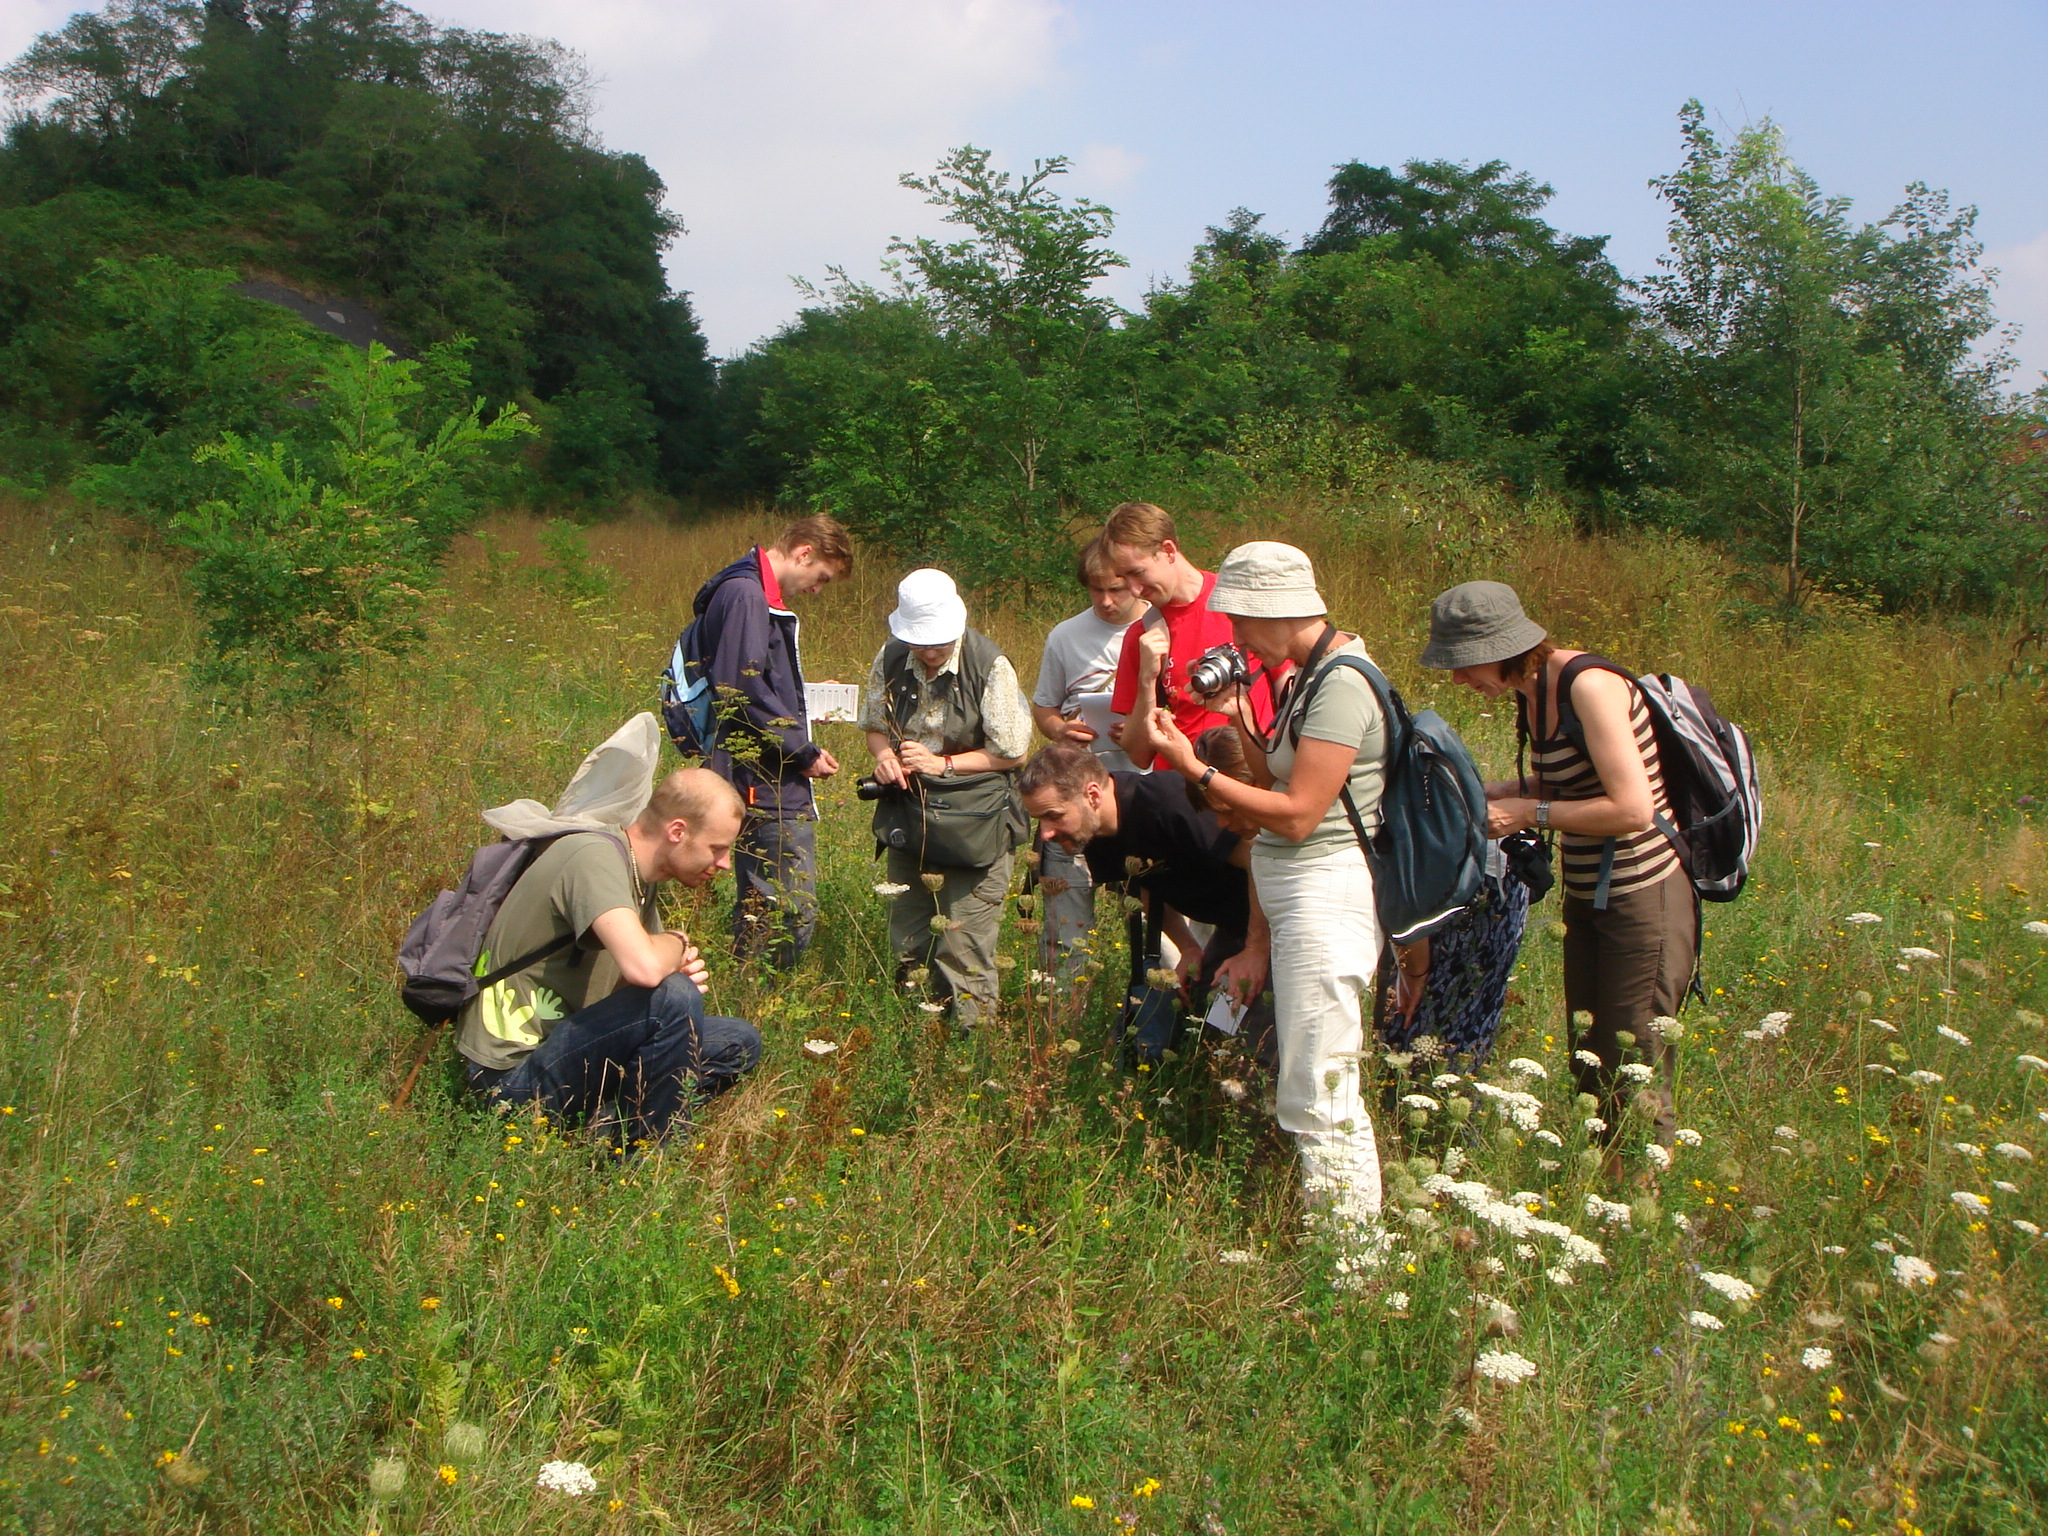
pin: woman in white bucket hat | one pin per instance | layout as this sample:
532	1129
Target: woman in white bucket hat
948	728
1328	741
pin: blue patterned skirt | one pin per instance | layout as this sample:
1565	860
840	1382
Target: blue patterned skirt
1467	986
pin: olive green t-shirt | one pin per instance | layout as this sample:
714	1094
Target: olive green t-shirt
1342	709
576	879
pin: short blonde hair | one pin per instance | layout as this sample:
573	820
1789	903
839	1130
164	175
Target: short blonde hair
692	795
1139	525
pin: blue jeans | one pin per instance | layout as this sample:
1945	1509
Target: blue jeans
654	1049
775	908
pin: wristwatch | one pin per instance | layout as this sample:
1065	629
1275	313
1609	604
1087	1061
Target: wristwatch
1203	781
1543	814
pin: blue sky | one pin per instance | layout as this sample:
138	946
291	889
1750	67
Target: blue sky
780	125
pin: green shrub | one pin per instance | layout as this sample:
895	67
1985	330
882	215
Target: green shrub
317	559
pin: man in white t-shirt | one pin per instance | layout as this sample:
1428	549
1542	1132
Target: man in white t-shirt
1080	659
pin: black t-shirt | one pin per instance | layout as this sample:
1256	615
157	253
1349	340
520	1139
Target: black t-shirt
1188	851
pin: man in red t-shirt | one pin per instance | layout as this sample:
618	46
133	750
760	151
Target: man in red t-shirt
1159	648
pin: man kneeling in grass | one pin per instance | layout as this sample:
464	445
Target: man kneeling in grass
612	1006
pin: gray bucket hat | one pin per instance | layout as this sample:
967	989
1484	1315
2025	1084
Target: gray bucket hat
1477	622
1265	580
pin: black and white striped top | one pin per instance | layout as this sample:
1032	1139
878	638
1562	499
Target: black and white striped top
1563	772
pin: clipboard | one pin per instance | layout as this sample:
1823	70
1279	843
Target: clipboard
832	701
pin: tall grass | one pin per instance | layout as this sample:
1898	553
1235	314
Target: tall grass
910	1285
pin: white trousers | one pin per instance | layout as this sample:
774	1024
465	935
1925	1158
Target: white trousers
1326	947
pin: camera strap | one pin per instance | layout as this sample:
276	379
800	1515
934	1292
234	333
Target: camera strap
1301	683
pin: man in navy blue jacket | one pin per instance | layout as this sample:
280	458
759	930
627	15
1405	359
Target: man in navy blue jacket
747	635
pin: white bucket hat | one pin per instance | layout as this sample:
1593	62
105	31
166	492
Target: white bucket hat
1265	580
928	610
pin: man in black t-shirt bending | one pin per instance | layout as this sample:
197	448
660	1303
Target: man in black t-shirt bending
1143	832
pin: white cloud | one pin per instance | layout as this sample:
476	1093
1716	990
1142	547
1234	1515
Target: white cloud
780	126
2022	297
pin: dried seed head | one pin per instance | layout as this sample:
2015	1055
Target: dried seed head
463	1442
933	882
387	1478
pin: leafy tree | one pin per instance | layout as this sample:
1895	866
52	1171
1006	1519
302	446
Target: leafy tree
173	361
964	415
1435	311
601	438
447	178
318	558
1819	404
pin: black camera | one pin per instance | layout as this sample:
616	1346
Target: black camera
1217	669
872	788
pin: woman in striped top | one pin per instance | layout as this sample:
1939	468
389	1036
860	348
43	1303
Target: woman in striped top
1630	913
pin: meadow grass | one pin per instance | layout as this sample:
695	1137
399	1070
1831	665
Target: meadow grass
910	1285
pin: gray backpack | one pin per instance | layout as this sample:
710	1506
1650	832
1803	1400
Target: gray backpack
445	943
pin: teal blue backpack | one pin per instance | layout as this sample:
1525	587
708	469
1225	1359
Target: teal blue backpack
1428	855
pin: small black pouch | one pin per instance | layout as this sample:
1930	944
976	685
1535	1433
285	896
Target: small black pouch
1528	859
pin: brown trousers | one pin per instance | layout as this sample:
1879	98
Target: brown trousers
1626	966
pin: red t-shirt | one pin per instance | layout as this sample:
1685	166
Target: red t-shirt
1191	629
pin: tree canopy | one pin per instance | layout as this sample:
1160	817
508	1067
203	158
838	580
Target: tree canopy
447	178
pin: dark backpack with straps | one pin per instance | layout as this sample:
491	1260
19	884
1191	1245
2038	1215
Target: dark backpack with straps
1709	771
443	947
689	702
1428	855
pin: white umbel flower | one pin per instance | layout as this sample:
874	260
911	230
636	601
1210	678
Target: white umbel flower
2032	1063
1924	1078
1706	1321
1951	1034
1522	1066
890	888
1637	1071
1918	952
2037	928
1523	1110
1687	1138
820	1047
1606	1212
1910	1271
1785	1133
1970	1202
1504	1366
2027	1227
1741	1292
2013	1152
567	1477
1657	1157
1860	918
1815	1358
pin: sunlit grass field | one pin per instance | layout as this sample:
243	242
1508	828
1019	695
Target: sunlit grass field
911	1285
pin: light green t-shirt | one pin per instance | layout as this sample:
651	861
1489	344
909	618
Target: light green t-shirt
1341	709
574	882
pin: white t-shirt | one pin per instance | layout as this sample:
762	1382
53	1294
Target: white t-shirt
1080	657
